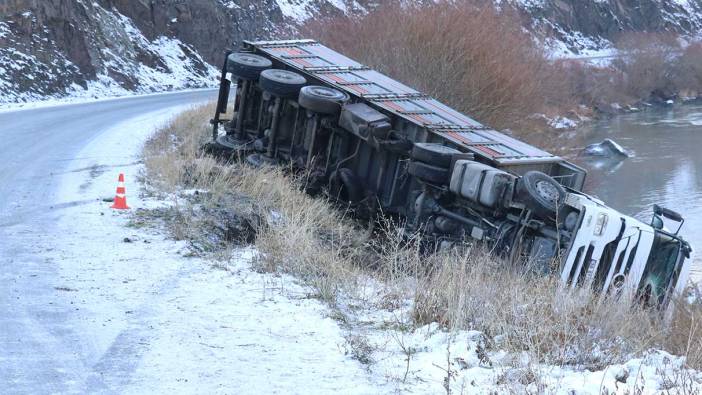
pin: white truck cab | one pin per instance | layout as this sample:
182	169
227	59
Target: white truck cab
616	254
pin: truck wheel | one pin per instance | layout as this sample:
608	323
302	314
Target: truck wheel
247	66
345	186
321	99
281	83
540	193
426	172
434	154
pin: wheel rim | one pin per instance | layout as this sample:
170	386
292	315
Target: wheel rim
548	191
250	60
283	77
326	93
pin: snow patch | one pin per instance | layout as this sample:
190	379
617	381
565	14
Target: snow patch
176	322
299	11
4	30
478	370
563	123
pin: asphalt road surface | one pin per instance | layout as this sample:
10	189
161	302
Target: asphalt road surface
39	350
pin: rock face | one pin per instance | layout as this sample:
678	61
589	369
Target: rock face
209	26
576	25
52	48
56	47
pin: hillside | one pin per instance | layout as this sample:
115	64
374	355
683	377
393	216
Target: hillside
577	26
56	48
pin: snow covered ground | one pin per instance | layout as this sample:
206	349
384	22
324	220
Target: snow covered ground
435	352
164	321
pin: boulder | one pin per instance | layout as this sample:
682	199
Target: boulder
607	148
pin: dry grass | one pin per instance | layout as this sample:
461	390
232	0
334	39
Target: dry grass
482	62
530	312
653	66
685	337
461	288
296	233
473	57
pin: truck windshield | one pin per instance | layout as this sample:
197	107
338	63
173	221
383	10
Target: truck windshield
660	269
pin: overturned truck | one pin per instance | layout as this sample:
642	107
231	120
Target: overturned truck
378	144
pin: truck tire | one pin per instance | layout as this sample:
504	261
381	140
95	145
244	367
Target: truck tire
427	172
281	83
321	99
540	193
434	154
247	66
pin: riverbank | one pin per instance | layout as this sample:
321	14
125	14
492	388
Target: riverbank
423	331
515	82
653	103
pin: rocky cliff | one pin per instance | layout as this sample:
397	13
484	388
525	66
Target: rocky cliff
60	47
52	48
574	26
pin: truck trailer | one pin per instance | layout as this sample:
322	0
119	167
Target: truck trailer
378	145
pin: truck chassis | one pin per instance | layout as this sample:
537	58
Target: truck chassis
377	144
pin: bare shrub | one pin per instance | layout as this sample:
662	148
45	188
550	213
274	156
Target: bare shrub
687	70
595	86
473	57
479	59
651	66
647	63
686	333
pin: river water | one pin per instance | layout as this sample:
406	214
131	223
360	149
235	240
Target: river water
666	167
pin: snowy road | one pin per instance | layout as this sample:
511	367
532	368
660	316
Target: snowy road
41	349
90	304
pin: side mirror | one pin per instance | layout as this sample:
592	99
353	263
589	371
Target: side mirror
668	213
658	212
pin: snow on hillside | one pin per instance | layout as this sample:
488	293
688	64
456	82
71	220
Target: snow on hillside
300	11
587	29
118	60
103	48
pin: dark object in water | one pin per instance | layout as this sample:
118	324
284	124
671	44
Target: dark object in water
607	148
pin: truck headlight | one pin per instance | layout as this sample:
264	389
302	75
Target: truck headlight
601	224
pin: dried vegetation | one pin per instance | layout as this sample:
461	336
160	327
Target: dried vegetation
475	58
482	62
340	259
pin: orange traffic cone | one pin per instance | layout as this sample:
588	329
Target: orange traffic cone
121	196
